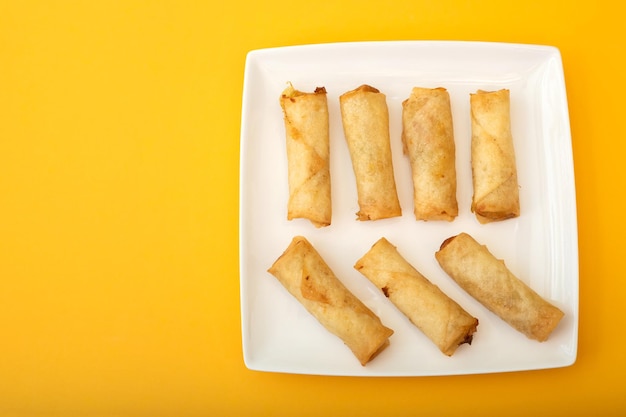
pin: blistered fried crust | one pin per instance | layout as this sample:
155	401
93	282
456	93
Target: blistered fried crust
494	171
307	277
308	155
365	120
438	316
428	141
489	281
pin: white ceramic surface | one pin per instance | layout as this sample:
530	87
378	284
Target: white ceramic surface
540	246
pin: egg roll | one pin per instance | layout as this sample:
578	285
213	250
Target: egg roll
489	281
494	171
428	141
308	155
307	277
365	119
438	316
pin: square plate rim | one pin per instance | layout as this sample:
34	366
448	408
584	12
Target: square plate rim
551	51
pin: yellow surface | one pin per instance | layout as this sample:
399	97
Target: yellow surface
119	158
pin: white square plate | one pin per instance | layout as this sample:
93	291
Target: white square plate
540	247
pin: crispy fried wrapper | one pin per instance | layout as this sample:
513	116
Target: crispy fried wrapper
489	281
428	141
494	171
303	272
438	316
308	155
365	119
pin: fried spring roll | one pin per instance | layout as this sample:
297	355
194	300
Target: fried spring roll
489	281
439	317
365	119
494	172
428	139
308	153
303	272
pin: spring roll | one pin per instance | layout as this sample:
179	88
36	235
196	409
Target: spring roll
308	153
365	119
438	316
489	281
494	172
428	141
303	272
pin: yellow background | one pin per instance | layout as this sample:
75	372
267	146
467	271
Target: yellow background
119	158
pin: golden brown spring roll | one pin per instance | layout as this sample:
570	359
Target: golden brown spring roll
303	272
489	281
438	316
365	119
308	153
494	172
428	139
